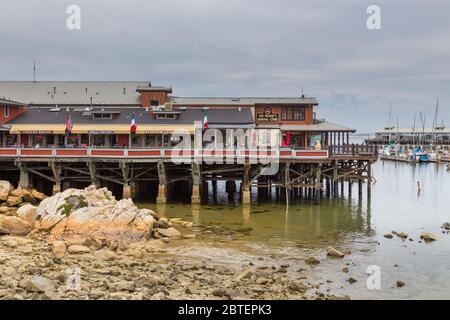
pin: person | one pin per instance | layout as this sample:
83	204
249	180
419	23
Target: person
317	146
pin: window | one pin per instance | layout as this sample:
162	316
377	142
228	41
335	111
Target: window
154	103
295	113
6	111
102	116
165	116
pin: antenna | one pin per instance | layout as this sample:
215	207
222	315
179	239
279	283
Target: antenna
34	71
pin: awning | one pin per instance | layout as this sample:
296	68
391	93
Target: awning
100	129
37	128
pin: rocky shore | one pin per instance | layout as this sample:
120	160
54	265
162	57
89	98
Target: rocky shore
85	244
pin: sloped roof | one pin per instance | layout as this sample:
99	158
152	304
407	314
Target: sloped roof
319	126
72	92
42	115
240	100
11	102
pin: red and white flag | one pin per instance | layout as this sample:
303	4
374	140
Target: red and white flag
205	120
69	125
133	125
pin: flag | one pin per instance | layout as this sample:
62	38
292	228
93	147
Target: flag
205	120
69	125
133	125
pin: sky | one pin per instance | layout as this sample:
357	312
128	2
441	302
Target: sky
247	48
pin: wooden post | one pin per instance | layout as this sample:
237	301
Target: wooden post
286	181
318	185
335	182
92	174
196	179
162	191
245	185
56	169
369	179
24	178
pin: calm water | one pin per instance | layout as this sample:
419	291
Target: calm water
354	224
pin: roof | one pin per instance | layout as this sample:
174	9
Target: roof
240	100
42	115
11	102
320	126
72	92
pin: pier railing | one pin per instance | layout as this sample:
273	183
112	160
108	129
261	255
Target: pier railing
353	150
162	153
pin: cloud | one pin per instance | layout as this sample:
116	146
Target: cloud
247	48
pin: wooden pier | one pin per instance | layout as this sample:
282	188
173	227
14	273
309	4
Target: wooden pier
296	173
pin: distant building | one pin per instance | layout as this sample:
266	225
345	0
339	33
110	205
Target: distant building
438	135
34	114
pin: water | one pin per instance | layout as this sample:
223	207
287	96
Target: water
355	224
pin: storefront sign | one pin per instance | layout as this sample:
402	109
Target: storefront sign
267	116
36	131
97	132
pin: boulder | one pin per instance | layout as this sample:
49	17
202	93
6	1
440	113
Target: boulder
12	201
94	212
5	188
59	249
245	274
39	196
17	193
27	213
388	236
28	197
446	225
3	231
312	261
428	237
4	209
334	253
16	226
39	284
78	249
169	232
400	283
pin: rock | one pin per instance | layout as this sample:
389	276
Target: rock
345	269
27	213
17	193
4	209
428	237
400	283
352	280
96	294
334	253
39	284
223	292
245	274
3	231
402	235
5	188
446	225
125	286
312	261
261	280
28	197
78	249
38	195
388	236
16	226
294	286
105	254
13	201
169	232
189	236
93	212
59	249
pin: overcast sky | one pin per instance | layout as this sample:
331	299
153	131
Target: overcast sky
246	48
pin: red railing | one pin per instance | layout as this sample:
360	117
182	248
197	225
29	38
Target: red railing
282	153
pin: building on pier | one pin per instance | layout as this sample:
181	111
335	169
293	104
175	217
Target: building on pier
439	135
100	148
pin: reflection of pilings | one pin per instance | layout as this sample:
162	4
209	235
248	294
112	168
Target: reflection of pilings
245	185
162	187
196	177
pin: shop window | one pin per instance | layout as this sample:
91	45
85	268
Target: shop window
293	113
165	116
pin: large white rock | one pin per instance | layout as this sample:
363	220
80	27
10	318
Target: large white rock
5	188
93	212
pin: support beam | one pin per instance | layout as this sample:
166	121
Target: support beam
24	178
56	169
245	185
92	173
196	180
162	188
318	185
126	191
